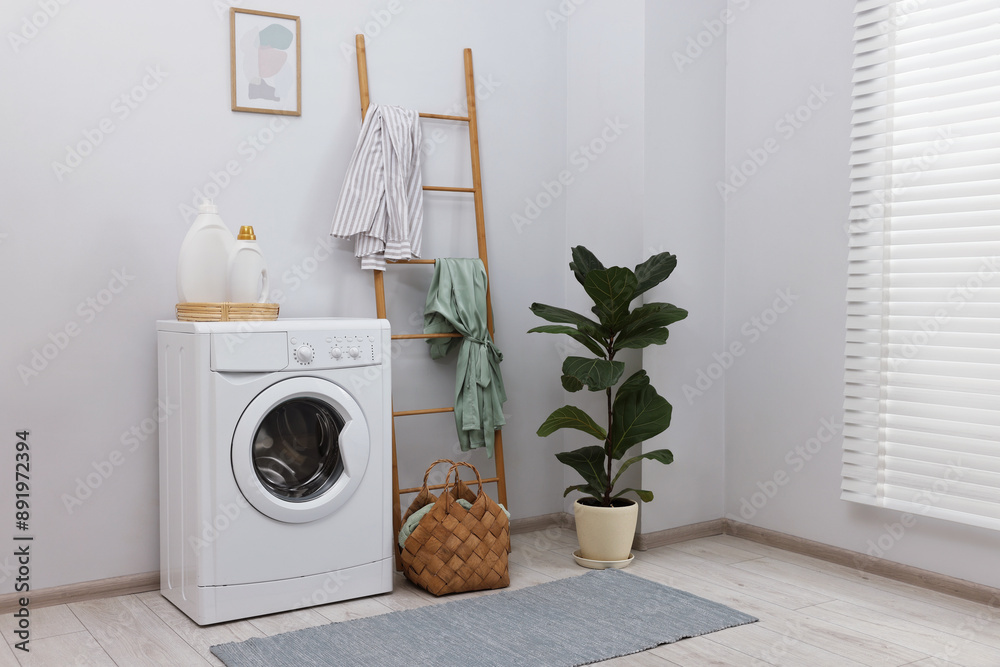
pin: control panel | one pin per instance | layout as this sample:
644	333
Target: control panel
341	349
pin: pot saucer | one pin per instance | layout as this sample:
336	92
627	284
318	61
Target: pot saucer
602	564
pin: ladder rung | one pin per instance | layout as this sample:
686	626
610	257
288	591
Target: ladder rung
447	188
491	480
411	261
437	335
427	411
443	117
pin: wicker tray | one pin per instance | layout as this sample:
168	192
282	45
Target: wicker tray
226	312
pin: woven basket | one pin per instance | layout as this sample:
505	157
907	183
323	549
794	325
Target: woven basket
226	312
454	550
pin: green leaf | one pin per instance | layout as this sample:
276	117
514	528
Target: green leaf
653	315
591	344
638	414
612	291
590	463
645	325
654	271
644	496
596	374
561	315
569	416
571	383
635	382
664	456
585	488
583	263
640	340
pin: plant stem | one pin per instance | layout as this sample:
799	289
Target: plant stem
607	443
607	453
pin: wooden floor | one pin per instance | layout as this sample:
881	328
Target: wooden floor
811	614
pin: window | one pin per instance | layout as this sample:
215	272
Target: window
922	405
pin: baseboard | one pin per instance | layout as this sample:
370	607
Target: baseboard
661	538
86	590
150	581
942	583
533	523
908	574
915	576
642	541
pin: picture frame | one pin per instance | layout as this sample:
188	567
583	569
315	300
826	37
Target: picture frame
265	53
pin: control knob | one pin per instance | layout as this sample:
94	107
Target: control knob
354	352
304	354
335	353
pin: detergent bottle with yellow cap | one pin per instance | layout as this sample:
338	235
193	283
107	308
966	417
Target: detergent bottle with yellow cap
247	269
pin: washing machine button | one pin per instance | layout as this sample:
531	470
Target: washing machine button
304	354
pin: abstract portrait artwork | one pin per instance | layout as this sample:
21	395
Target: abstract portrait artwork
265	62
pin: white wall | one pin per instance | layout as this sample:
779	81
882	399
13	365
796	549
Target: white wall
785	231
647	191
605	124
685	102
63	240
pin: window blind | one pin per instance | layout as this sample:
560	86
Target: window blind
922	385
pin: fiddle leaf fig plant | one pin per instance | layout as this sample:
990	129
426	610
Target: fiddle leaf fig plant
635	412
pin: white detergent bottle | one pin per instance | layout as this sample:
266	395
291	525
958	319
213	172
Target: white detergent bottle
247	270
202	268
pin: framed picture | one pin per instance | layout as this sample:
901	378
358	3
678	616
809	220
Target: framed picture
266	62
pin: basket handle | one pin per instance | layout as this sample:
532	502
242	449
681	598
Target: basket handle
431	467
447	479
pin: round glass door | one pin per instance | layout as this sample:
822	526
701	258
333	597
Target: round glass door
296	452
300	449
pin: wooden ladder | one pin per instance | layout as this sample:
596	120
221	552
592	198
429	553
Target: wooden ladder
477	191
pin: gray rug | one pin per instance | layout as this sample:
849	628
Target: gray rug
576	621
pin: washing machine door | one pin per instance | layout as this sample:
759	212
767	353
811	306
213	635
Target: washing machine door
300	449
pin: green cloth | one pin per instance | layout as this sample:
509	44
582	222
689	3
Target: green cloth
456	301
414	519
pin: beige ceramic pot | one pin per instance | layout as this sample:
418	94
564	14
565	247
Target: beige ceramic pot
605	533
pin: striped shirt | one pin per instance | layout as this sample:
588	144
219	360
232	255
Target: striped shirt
381	202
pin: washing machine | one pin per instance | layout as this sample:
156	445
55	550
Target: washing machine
275	489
